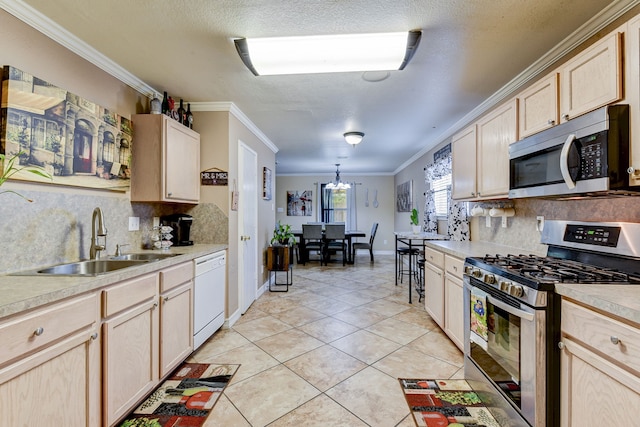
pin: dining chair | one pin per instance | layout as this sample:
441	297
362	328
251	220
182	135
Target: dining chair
335	241
313	241
363	245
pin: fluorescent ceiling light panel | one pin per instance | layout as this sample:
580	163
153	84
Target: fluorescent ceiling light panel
328	54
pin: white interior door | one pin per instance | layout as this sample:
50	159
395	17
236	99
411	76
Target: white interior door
247	226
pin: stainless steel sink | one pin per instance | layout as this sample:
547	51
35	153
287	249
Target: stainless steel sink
151	256
93	267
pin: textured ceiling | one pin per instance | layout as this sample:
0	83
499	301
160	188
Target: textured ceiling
470	49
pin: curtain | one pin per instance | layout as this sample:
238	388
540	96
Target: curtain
457	221
352	213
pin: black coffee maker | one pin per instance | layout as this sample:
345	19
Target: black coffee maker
181	224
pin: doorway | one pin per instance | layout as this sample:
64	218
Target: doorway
247	225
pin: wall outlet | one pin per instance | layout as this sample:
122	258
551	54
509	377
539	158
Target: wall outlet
540	223
385	241
134	223
156	221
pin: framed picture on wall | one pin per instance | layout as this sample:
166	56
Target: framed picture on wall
404	196
299	203
266	183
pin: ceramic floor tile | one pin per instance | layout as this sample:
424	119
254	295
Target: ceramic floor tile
325	367
251	358
299	316
223	340
269	395
261	328
360	317
329	306
386	307
408	363
328	329
288	344
397	331
275	304
225	414
370	395
365	346
356	298
417	317
320	411
253	314
438	345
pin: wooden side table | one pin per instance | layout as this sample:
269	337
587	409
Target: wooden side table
279	259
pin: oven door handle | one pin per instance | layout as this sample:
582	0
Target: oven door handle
564	162
510	309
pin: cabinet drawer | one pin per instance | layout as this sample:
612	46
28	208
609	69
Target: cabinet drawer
598	331
26	333
453	265
129	293
434	257
176	275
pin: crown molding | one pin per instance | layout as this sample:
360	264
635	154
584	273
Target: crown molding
609	14
55	32
237	113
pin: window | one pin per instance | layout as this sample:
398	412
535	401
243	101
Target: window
439	187
334	205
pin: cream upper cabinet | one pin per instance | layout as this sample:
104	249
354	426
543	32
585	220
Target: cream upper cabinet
165	161
50	365
495	132
463	159
538	106
600	361
632	89
592	79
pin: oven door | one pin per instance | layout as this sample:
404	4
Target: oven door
502	353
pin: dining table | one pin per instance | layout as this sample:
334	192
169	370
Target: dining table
348	234
413	240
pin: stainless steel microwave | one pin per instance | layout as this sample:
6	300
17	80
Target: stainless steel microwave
586	156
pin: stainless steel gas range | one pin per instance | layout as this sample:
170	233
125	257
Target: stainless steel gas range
512	314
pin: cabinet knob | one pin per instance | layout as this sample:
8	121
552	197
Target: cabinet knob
155	305
455	268
615	340
166	299
94	336
38	331
551	121
633	171
169	194
561	345
565	116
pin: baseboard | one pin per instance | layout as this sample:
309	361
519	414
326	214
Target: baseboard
228	323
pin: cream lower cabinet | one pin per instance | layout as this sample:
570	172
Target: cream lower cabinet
453	300
434	285
50	365
176	319
600	361
130	344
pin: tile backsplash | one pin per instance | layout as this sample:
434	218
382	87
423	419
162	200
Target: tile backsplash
56	227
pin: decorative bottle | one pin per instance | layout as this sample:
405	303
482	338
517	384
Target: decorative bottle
189	121
165	105
156	105
182	114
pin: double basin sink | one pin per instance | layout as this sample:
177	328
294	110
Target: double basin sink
95	267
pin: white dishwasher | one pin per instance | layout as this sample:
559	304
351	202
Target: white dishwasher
208	296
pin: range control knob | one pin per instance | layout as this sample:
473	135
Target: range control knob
516	291
505	286
476	273
489	279
468	269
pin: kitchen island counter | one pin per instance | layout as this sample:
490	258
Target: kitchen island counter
20	293
473	248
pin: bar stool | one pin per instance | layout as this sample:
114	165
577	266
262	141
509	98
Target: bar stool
413	256
420	282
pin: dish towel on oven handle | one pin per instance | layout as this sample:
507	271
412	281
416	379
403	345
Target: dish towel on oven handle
479	317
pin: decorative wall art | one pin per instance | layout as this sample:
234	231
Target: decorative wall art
299	203
77	141
266	183
404	194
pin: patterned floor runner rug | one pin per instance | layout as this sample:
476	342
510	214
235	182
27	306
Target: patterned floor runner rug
441	403
185	398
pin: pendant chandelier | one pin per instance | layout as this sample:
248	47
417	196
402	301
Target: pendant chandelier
338	184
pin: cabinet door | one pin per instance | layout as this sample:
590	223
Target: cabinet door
434	293
463	159
176	327
632	94
539	106
592	79
130	354
58	386
495	132
453	310
182	163
594	391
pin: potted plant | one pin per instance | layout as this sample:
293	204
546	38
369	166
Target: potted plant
415	224
278	254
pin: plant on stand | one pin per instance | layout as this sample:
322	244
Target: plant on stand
279	253
415	221
283	235
8	168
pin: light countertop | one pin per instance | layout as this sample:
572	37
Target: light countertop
20	293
